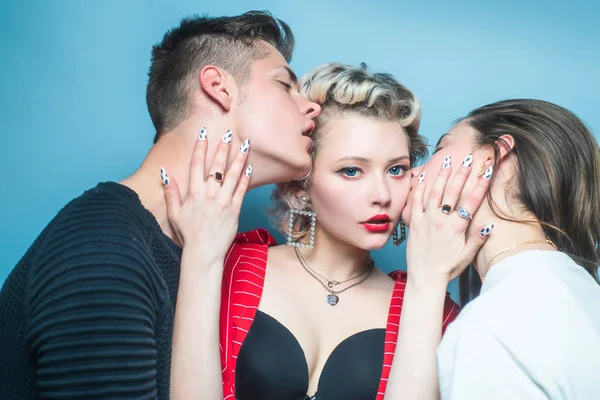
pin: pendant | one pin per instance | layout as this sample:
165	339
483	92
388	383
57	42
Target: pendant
331	284
332	299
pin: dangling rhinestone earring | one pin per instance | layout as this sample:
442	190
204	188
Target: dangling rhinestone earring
313	223
399	240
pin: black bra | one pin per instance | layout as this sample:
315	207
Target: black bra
271	365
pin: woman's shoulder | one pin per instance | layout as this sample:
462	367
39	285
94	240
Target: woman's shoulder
398	275
255	237
249	248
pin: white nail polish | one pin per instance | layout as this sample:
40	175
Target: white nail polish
227	137
487	230
164	177
468	161
202	134
488	173
249	170
245	146
447	162
421	177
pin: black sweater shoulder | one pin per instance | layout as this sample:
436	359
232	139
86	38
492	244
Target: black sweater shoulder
91	295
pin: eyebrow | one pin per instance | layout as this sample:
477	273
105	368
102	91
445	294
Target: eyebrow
293	76
366	160
440	140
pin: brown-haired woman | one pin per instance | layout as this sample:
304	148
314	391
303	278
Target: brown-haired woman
533	330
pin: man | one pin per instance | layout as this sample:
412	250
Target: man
88	311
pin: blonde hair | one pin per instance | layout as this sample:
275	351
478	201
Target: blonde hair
343	90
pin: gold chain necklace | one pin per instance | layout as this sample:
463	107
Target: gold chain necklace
514	246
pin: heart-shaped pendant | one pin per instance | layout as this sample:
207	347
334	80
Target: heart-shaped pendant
332	299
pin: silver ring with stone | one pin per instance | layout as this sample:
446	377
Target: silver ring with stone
464	213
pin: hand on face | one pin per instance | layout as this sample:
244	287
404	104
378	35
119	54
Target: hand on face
207	219
439	247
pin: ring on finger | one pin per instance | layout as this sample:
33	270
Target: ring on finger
464	213
446	208
217	176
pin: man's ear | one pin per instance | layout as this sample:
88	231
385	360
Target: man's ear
217	85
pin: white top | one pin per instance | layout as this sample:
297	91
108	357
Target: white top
533	333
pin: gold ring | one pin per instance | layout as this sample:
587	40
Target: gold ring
446	208
217	176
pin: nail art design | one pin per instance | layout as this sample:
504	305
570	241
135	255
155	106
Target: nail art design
202	134
487	230
164	177
227	137
245	146
447	162
249	170
421	177
488	173
468	161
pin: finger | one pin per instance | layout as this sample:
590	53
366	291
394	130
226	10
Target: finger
417	199
197	163
474	243
172	197
242	188
455	187
471	201
216	172
439	186
232	177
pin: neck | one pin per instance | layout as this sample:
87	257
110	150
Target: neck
334	258
505	236
173	152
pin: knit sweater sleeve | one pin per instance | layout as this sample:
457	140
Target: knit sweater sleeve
92	309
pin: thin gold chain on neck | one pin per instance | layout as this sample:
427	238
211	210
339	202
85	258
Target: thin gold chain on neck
514	246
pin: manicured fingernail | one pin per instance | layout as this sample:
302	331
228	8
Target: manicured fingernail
249	170
488	173
202	134
487	230
421	177
245	146
468	161
447	162
164	177
227	137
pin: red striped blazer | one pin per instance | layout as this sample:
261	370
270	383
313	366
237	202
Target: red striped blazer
243	279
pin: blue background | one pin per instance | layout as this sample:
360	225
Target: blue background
73	78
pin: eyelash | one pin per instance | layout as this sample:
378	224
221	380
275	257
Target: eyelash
342	171
287	86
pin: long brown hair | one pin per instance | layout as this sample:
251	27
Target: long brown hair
558	176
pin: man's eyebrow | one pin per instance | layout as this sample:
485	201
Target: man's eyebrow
293	76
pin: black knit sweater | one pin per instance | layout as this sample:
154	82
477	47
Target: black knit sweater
88	311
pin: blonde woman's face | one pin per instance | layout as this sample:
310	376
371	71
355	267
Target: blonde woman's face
360	180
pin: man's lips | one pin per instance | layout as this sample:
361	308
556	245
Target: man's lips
309	129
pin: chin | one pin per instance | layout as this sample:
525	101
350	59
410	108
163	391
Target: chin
302	169
373	243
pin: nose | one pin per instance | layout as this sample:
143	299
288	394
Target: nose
380	194
310	108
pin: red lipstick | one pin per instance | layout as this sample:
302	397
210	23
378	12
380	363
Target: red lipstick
378	223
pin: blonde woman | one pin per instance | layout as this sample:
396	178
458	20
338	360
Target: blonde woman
315	318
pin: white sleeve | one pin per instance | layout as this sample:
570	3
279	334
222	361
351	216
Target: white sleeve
473	364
